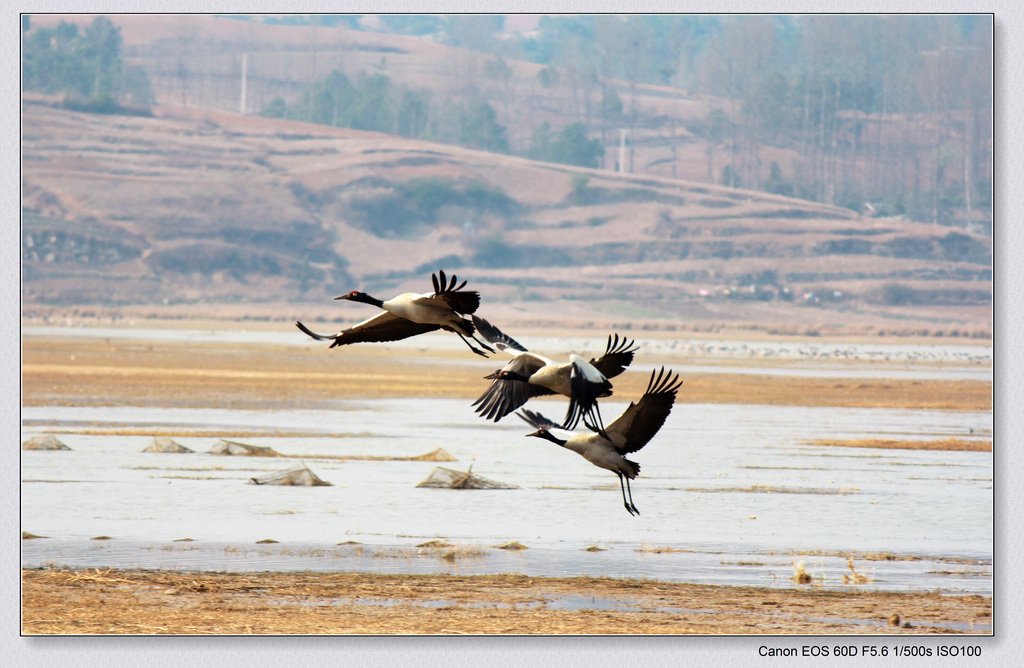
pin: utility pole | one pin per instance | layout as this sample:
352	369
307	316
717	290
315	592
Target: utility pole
622	149
245	68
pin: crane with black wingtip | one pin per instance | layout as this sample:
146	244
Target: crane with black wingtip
530	375
606	448
410	314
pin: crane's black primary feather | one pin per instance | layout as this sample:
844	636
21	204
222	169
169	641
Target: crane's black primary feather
463	303
641	421
617	356
536	420
495	336
308	332
504	396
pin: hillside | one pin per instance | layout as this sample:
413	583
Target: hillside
205	213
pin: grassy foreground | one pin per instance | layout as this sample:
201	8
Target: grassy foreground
144	602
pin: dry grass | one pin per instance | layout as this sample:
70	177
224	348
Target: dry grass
142	602
882	556
944	444
775	489
185	432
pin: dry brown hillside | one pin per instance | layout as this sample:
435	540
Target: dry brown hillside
213	213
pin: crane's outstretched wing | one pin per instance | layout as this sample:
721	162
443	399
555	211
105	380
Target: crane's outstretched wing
641	421
452	295
504	396
618	354
537	421
496	337
382	327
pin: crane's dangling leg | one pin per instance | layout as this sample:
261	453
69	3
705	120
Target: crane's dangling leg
472	347
483	344
629	509
628	489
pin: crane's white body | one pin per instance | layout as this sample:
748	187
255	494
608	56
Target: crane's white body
411	314
552	375
606	447
426	309
600	452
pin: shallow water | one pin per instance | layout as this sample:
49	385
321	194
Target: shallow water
729	495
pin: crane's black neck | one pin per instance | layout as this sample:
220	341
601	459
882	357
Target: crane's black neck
366	299
548	436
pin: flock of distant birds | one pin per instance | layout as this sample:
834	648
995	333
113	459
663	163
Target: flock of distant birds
528	375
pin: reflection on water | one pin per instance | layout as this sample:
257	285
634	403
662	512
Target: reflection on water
728	494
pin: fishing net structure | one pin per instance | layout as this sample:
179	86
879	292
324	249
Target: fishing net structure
295	477
242	449
44	442
166	444
438	455
451	479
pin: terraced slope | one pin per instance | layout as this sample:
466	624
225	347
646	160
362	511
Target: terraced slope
190	208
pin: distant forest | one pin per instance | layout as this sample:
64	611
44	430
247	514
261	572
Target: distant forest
884	114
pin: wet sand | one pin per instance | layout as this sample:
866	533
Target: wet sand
97	372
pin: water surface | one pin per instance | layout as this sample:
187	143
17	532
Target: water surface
729	494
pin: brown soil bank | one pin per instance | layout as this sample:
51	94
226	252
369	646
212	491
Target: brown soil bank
142	602
890	444
96	372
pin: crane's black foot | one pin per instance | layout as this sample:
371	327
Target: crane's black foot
630	510
474	348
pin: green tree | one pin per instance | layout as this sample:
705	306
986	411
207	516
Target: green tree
479	128
326	103
572	146
611	105
548	77
714	130
373	108
82	65
137	88
50	63
277	108
413	114
579	184
101	49
540	143
777	182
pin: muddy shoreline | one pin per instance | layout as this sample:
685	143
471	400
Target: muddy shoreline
97	372
146	602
